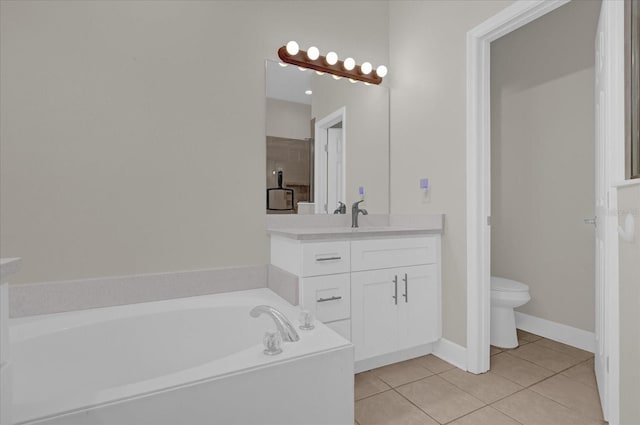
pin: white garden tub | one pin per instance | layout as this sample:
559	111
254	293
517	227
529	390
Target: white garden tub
185	361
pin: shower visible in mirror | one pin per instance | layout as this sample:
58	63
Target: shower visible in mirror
325	138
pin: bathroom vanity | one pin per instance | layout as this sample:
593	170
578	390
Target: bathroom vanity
379	287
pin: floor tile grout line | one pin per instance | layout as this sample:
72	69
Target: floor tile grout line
418	407
373	395
488	405
522	387
469	394
562	404
405	383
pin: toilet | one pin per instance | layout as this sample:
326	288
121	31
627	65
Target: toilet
506	294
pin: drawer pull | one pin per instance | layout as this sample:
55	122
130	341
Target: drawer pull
406	289
395	296
324	300
329	259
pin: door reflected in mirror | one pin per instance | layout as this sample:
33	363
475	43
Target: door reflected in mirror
326	138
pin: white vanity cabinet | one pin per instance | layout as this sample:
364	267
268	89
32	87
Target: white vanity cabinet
382	293
323	269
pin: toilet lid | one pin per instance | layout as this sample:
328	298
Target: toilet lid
502	284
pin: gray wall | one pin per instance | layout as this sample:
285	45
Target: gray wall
133	133
542	162
629	256
367	137
428	128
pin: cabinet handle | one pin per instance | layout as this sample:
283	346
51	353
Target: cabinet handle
329	259
395	281
323	300
406	289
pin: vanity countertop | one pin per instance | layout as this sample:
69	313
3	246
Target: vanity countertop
317	233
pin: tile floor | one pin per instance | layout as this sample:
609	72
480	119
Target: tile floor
542	382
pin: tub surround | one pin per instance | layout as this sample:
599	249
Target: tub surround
9	266
180	354
55	297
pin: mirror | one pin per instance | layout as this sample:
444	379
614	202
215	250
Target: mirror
326	139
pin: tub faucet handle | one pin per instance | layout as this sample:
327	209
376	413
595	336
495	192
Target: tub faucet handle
306	318
272	343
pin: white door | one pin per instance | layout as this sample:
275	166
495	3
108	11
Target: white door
374	312
334	167
419	300
600	211
610	133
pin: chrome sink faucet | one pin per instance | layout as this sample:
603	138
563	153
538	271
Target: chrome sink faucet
355	210
285	328
342	208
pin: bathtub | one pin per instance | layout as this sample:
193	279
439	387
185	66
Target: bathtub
185	361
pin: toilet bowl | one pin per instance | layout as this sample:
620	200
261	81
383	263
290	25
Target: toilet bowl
506	294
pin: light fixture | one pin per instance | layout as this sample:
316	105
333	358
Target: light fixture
332	58
308	92
292	48
349	64
313	53
312	59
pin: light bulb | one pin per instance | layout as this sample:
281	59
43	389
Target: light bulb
352	80
313	53
332	58
336	77
349	64
282	64
381	71
301	68
367	84
319	72
292	48
308	92
366	68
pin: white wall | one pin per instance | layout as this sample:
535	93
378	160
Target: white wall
629	254
428	128
288	120
132	134
542	162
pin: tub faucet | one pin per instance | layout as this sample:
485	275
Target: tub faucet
285	327
355	210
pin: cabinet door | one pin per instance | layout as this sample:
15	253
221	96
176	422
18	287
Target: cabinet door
419	302
374	313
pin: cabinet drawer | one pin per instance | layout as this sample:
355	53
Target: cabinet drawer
320	258
328	297
398	252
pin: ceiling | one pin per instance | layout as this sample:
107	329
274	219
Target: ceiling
288	83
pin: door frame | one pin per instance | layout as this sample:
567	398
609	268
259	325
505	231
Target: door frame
320	162
478	168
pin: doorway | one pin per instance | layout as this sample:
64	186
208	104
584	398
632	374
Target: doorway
330	161
479	178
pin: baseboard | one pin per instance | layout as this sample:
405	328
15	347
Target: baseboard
451	352
396	356
569	335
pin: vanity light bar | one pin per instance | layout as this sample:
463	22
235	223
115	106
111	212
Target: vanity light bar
312	59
